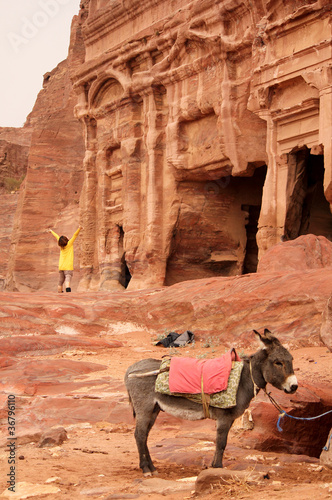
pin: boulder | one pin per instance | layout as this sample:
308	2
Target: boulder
53	437
215	477
303	253
306	423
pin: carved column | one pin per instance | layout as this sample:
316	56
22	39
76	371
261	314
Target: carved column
132	165
88	204
150	261
270	226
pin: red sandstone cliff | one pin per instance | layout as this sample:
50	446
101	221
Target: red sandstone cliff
14	151
51	191
205	137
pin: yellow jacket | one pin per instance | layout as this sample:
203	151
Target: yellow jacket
66	260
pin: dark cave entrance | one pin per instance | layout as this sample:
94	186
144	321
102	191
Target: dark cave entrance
251	256
253	209
125	275
307	211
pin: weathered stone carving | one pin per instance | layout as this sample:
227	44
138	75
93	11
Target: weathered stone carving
205	124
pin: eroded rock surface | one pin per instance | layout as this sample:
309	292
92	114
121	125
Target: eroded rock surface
303	253
38	330
65	364
228	308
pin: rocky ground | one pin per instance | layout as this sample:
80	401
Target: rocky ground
77	384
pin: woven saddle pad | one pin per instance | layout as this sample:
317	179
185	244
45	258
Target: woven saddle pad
223	399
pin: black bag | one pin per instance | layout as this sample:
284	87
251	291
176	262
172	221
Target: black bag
174	339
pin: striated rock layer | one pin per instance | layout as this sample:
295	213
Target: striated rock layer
40	331
14	151
291	304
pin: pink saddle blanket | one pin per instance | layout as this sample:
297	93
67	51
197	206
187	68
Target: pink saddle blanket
185	374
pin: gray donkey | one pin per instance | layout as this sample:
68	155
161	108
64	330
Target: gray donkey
271	364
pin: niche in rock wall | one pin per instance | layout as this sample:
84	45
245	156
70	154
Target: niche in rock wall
307	210
302	437
236	19
111	90
125	275
215	234
113	157
253	209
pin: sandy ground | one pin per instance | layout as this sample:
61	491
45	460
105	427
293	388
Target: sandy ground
100	460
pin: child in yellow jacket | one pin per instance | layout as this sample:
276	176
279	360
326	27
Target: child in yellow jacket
66	260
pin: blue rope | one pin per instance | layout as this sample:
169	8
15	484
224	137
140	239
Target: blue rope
327	447
284	414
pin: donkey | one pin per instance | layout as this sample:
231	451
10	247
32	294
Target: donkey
271	364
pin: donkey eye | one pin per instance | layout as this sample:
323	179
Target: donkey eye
278	363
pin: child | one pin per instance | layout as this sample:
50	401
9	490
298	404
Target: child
66	260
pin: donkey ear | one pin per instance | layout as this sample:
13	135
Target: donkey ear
265	339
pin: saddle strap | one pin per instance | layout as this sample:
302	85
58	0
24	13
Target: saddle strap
205	400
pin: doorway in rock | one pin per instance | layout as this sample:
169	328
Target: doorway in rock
308	211
253	210
210	236
251	257
125	275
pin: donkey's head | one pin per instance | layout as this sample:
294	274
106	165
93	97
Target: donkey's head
277	366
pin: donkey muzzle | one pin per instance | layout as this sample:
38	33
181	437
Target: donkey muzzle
290	385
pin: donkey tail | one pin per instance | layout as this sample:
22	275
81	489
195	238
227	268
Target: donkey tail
132	406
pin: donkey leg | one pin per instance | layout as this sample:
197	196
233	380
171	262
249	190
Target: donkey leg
144	424
223	427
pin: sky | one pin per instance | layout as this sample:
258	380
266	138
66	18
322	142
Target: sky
34	38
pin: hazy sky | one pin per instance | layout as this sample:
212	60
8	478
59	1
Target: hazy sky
34	38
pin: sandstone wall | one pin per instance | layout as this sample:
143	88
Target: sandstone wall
208	135
14	151
13	158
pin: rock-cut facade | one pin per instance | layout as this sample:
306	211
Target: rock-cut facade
207	135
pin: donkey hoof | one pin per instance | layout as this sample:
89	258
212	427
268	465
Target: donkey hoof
147	474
